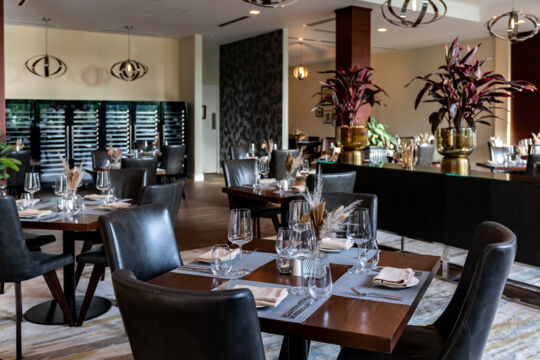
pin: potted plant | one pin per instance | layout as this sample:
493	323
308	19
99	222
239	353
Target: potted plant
467	96
6	163
379	141
352	93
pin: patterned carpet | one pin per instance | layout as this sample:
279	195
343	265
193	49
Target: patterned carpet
514	335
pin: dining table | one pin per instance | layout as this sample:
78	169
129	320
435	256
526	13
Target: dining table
360	323
503	168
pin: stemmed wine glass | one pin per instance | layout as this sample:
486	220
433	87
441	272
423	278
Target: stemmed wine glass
103	181
301	248
31	183
240	233
359	231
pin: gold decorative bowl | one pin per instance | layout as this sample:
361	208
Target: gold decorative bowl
352	137
455	143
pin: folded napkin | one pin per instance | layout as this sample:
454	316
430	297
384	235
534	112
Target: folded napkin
115	205
21	202
207	256
267	181
265	296
34	213
336	244
299	188
395	277
95	197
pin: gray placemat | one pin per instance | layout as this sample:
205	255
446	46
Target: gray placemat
94	211
251	262
362	283
345	257
276	313
47	218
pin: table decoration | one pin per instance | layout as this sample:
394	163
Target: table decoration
292	164
71	202
116	155
268	147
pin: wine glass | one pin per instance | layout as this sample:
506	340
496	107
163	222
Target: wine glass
221	260
359	231
298	213
304	171
31	183
264	167
240	233
320	278
283	241
103	181
301	248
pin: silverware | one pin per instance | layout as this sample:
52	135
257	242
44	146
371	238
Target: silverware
302	308
197	269
298	304
375	295
249	251
416	273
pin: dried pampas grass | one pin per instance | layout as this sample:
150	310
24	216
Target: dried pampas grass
74	176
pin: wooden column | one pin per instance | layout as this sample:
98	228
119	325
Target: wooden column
2	77
353	37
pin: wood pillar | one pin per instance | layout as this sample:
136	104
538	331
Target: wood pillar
2	77
353	37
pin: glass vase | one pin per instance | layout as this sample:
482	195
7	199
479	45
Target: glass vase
72	203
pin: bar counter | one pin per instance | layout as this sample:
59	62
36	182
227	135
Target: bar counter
429	205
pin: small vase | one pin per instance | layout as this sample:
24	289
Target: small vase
72	203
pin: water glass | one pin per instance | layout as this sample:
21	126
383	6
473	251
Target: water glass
359	231
320	278
304	170
111	196
103	181
284	264
283	186
221	264
370	260
31	183
60	185
301	248
283	241
26	201
298	213
240	232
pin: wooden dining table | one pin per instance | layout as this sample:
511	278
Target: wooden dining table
501	168
352	322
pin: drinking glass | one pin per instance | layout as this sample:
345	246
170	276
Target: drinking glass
320	278
240	233
283	240
304	171
103	181
283	186
298	213
370	260
60	185
301	248
26	200
111	196
221	263
31	183
264	167
359	231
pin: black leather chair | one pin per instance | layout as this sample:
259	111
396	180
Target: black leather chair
239	152
166	324
101	160
15	182
462	330
425	154
496	153
168	195
140	239
277	163
173	161
533	165
18	264
150	164
243	172
369	201
336	182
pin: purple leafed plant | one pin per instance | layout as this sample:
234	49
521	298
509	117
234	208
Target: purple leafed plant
349	91
463	91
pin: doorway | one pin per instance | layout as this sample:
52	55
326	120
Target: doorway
210	129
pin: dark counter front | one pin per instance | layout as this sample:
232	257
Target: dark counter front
428	205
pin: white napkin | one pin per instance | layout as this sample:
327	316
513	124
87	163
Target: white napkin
395	277
267	181
114	205
300	188
21	202
336	244
207	256
34	213
265	296
95	197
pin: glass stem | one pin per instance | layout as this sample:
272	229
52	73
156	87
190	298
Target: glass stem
301	273
241	263
31	195
359	255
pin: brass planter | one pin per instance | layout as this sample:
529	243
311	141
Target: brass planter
455	146
352	140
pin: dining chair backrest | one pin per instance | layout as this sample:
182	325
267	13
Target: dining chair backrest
16	178
327	144
335	182
163	323
128	183
368	201
533	165
239	152
140	239
277	163
496	153
173	159
16	263
168	195
238	173
425	154
466	321
101	159
149	163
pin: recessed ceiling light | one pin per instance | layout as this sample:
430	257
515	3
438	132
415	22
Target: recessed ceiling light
254	12
304	25
300	39
381	29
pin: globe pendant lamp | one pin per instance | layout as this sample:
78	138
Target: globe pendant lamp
129	70
438	11
46	66
515	18
271	3
300	72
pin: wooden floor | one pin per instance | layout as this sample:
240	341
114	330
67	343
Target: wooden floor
204	215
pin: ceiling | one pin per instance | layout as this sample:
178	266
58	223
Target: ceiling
179	18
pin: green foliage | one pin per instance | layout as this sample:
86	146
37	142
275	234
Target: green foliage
5	162
377	134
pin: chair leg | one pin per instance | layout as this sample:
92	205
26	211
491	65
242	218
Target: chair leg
275	221
87	245
1	288
97	272
56	291
18	302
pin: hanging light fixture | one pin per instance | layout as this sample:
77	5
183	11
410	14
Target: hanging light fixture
438	7
300	72
129	70
271	3
515	18
46	66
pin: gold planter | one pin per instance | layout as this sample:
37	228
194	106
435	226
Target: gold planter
455	145
352	140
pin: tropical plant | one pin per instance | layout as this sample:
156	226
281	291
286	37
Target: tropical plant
463	91
349	90
5	162
377	134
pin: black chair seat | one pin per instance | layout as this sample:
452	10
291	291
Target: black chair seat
95	256
34	242
416	343
49	262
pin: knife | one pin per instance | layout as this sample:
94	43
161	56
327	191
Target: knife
293	309
301	310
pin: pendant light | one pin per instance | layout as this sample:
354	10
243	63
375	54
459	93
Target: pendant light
300	72
438	8
515	18
46	66
129	70
271	3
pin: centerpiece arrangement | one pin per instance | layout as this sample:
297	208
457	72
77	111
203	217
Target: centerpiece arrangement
352	94
293	163
71	202
116	155
467	96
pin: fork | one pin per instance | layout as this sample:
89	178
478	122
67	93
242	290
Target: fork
381	296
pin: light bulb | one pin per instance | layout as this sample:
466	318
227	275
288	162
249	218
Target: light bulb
129	68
